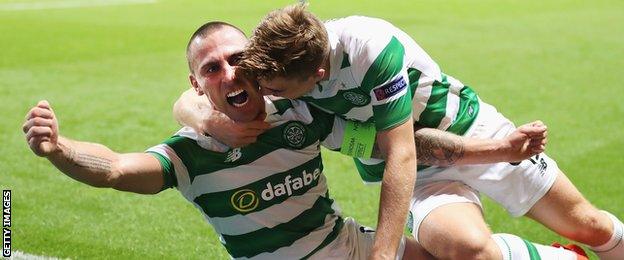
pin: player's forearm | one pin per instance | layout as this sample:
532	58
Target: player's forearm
90	163
440	148
396	188
394	204
189	109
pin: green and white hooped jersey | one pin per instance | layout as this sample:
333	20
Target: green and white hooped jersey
380	75
268	200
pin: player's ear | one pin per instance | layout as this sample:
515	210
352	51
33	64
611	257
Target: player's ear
319	74
194	84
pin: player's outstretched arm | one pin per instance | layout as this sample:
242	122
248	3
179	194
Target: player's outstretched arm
90	163
195	111
440	148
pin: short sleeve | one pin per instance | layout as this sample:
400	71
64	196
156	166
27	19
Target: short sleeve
168	170
387	82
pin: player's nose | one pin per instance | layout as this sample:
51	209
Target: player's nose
229	74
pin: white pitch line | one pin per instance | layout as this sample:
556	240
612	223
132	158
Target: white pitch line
17	255
69	4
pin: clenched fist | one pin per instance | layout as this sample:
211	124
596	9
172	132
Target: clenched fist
41	129
528	140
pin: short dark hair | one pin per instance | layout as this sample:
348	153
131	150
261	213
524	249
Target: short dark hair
203	32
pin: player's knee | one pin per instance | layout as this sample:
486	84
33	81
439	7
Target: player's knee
593	227
472	244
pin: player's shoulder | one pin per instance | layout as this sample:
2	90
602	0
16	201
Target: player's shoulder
280	110
187	139
358	22
277	105
361	38
360	29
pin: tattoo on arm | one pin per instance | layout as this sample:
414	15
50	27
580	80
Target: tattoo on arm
91	162
433	147
438	148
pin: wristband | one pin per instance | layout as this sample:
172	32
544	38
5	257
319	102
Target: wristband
358	140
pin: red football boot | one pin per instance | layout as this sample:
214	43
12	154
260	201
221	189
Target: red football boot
580	253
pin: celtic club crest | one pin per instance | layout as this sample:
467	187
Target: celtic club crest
356	98
294	134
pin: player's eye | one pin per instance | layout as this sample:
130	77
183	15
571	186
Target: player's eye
212	68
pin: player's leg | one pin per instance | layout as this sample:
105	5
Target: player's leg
467	237
564	210
447	221
355	242
413	250
457	231
538	188
538	184
514	247
446	216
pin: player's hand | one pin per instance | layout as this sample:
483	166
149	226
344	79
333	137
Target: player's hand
41	129
233	134
528	140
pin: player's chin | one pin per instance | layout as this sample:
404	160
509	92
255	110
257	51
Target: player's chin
243	117
244	113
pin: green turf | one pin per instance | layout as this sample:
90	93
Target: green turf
112	73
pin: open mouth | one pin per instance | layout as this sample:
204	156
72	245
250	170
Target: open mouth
237	98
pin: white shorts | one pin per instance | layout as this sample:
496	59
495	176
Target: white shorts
354	242
516	187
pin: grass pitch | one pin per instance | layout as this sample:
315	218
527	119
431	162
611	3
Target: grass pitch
112	73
